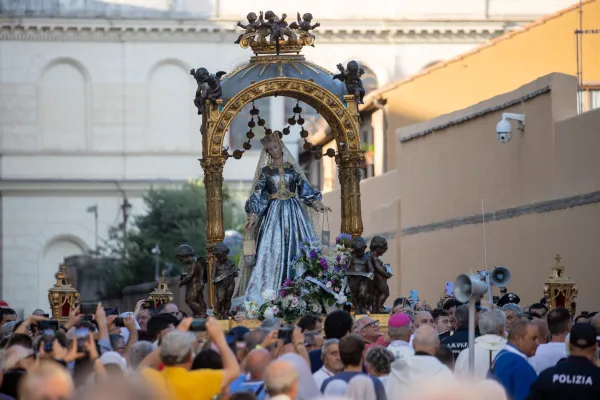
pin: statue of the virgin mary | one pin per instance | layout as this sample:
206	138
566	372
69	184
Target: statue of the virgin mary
279	212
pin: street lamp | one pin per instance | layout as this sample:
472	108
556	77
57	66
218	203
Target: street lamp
94	210
156	252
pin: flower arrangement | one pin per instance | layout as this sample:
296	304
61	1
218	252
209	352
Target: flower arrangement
319	283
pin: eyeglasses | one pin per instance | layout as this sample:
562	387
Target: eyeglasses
372	324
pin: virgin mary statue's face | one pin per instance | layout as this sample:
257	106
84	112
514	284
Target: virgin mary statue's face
274	149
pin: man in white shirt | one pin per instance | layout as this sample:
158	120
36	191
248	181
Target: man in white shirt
547	355
332	362
400	329
487	346
422	368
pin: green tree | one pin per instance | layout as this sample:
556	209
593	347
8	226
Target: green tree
173	217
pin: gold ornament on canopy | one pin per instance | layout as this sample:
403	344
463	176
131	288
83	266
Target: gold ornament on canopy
560	291
162	294
62	296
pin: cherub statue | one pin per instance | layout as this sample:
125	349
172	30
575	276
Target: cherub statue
223	276
212	90
381	291
360	275
253	25
277	27
304	23
351	77
194	280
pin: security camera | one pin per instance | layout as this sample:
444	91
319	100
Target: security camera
504	128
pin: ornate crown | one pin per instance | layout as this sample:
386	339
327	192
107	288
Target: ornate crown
270	34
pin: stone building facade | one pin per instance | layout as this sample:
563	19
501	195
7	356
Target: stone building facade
96	102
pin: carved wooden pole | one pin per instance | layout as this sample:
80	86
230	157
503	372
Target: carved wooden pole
349	174
215	231
348	162
213	184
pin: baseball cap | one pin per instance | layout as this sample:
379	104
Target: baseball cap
582	335
398	321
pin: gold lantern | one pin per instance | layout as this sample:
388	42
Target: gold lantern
559	290
62	296
162	294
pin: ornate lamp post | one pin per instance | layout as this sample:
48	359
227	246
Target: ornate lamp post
62	296
162	294
560	291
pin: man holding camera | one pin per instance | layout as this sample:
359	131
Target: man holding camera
176	352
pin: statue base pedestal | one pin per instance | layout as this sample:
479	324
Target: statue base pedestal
227	324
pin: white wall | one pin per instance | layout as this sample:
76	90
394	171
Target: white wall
85	115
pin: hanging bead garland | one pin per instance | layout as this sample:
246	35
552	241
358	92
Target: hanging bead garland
255	119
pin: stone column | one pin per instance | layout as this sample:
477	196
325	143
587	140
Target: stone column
215	231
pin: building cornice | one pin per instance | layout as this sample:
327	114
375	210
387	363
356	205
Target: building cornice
104	30
97	186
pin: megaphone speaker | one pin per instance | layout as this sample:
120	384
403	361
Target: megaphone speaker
468	286
500	276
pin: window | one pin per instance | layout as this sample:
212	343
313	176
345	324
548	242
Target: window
310	115
589	98
369	79
239	125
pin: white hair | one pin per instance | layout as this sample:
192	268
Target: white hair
177	347
492	322
513	307
326	344
279	378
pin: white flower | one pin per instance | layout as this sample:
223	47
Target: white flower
315	309
269	313
275	310
341	299
295	301
328	284
268	295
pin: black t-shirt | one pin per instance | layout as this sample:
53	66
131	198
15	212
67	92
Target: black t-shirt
573	378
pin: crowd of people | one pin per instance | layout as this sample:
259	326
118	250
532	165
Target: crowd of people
159	353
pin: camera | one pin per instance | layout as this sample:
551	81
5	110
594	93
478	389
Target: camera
119	322
504	128
198	325
83	335
285	333
504	131
88	308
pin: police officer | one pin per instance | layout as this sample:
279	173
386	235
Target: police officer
574	377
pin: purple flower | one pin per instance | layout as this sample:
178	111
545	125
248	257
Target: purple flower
323	262
287	282
313	254
282	293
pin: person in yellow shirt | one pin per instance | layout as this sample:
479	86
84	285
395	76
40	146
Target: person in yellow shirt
176	352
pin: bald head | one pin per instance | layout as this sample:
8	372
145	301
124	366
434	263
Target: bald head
281	377
256	363
596	323
49	380
423	318
426	340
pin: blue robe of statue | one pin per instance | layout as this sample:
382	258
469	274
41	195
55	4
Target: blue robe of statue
283	224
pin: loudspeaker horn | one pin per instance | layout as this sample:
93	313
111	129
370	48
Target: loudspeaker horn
468	286
500	276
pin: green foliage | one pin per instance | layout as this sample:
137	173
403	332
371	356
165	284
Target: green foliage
173	217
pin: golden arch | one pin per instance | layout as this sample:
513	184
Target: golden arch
342	119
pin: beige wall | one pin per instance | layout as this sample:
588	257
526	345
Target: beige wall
443	176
